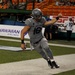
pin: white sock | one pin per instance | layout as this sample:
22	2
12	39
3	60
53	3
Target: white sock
52	60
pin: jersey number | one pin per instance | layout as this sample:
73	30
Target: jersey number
70	25
37	30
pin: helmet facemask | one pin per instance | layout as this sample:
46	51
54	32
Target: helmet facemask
37	14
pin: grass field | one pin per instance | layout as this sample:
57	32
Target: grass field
11	56
72	72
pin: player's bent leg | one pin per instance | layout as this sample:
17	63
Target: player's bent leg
48	51
45	47
44	55
41	52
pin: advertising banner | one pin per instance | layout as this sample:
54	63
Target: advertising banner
63	19
11	31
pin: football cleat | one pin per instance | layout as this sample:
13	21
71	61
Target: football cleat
55	65
50	64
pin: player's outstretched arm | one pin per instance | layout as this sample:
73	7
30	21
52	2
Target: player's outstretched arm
53	20
24	31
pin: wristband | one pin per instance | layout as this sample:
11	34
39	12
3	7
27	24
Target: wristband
22	41
57	18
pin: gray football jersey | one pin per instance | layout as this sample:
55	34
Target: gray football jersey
35	31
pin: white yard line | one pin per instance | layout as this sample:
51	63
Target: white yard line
61	45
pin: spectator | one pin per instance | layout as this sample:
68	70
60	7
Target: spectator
54	31
69	27
48	30
57	2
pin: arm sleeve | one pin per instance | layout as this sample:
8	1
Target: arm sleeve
28	22
43	21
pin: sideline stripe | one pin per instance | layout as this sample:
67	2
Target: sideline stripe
61	45
12	48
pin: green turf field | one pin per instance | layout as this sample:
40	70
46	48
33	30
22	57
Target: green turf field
72	72
12	56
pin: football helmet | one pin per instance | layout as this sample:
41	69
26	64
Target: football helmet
37	14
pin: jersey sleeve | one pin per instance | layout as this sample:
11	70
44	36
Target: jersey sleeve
44	20
28	22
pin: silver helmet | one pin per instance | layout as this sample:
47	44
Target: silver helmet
37	13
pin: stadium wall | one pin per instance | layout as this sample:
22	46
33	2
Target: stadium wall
15	30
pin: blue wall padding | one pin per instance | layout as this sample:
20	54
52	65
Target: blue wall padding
10	22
